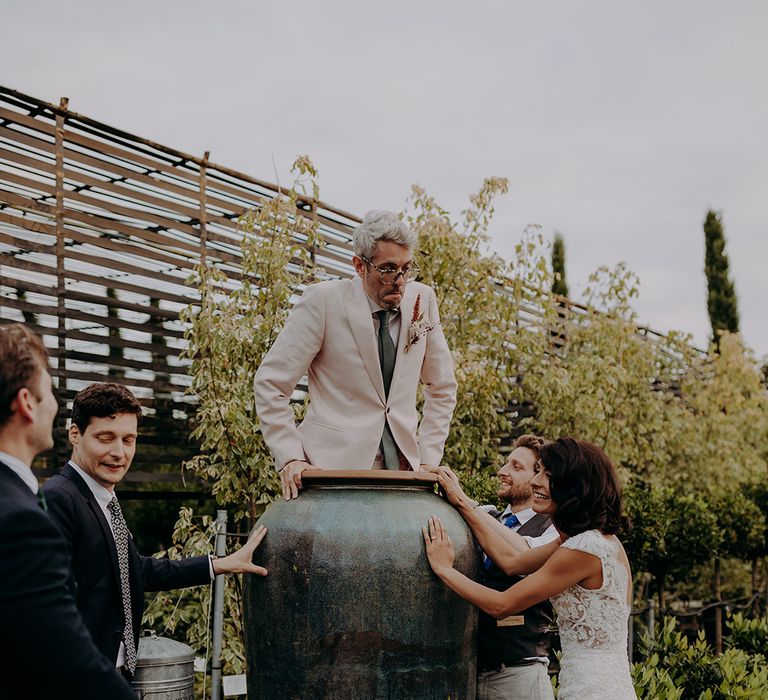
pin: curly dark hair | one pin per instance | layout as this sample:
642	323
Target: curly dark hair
101	400
22	357
584	485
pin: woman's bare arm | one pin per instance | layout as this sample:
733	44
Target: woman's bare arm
564	569
508	550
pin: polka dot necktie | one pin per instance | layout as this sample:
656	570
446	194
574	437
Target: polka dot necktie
120	530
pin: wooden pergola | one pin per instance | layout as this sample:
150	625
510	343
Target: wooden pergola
99	231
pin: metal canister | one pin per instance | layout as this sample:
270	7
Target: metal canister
164	669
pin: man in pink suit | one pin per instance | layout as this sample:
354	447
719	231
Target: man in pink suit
364	344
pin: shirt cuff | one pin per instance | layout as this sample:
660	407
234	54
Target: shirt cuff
210	567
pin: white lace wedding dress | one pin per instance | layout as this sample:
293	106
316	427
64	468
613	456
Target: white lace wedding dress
593	628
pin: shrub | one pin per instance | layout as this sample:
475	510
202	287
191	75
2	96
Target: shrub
676	668
748	635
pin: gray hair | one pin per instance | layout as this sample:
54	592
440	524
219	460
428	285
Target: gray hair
379	225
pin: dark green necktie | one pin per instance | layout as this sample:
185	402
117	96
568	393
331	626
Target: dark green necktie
387	354
41	499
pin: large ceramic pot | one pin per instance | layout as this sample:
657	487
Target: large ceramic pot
350	608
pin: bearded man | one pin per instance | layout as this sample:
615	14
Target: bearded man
513	654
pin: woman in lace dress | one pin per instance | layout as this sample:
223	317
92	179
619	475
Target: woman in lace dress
585	574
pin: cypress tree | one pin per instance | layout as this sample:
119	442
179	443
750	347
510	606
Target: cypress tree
721	295
559	286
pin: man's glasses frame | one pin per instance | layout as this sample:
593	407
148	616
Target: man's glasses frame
391	275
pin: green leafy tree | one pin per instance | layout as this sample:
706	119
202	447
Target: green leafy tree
743	529
669	532
597	386
756	491
721	295
742	522
721	427
228	335
479	300
559	284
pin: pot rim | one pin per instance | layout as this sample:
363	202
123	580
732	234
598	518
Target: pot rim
369	477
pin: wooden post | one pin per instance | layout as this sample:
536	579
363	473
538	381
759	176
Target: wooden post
61	279
651	619
218	607
313	249
203	207
718	609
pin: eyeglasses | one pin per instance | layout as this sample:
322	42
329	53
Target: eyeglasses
390	275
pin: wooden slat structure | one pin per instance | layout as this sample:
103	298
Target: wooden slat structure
99	231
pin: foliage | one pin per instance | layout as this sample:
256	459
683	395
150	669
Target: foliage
559	284
673	664
756	491
478	320
721	295
721	423
186	613
670	532
597	386
741	522
229	334
749	635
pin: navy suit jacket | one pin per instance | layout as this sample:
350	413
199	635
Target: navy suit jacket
75	510
45	649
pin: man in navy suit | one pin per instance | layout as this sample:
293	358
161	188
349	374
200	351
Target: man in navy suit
45	649
110	573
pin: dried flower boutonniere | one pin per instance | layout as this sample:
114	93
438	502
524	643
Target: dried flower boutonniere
419	326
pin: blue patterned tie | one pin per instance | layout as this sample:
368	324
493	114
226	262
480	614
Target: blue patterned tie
510	521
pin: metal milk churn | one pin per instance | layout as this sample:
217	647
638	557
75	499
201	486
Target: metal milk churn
164	669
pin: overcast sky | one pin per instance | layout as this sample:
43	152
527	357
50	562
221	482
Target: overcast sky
617	123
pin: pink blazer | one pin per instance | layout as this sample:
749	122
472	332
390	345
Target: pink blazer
329	336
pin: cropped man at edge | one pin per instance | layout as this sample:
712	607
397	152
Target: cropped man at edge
45	649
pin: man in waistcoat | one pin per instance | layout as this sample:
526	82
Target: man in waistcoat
365	345
513	654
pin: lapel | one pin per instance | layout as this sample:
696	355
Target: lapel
406	314
106	532
361	324
14	481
